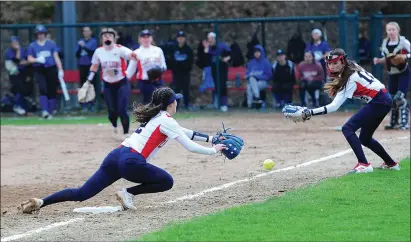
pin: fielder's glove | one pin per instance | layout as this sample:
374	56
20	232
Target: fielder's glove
86	93
154	74
233	143
296	113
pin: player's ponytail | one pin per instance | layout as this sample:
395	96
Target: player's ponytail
339	83
143	113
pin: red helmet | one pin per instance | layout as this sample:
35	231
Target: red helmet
340	53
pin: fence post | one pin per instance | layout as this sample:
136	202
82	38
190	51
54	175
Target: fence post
356	26
263	33
342	29
376	40
217	63
98	79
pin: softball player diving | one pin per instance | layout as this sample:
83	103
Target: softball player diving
395	52
43	53
150	65
349	80
113	60
131	159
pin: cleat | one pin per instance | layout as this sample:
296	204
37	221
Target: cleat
19	110
395	167
126	136
126	199
33	204
45	115
224	108
362	168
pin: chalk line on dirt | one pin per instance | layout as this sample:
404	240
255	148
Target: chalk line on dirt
193	196
36	231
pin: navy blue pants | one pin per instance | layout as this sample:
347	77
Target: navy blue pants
17	88
400	82
368	118
116	97
47	78
147	88
122	162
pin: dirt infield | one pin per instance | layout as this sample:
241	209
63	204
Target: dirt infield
50	158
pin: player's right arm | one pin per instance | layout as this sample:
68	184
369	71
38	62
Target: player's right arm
173	131
95	63
339	99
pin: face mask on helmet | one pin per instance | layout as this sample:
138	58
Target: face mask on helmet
107	42
333	69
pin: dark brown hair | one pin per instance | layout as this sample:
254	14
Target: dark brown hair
161	96
338	83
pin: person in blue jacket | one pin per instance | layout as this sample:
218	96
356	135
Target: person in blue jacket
43	54
258	74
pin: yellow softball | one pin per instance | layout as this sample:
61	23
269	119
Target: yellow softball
269	164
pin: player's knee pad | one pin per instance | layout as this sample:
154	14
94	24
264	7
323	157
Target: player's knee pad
399	99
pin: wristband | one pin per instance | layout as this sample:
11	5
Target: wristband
91	75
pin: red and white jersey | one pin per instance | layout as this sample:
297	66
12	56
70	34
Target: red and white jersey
362	85
149	139
148	58
113	62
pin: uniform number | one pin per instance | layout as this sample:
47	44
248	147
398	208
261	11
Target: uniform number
366	76
140	129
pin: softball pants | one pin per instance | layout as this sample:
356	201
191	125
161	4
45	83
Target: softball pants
46	78
368	118
116	98
122	162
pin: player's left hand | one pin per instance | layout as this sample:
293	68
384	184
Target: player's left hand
233	144
296	113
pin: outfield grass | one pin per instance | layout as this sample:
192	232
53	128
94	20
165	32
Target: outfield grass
96	119
365	207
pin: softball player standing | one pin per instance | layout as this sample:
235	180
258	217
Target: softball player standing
349	80
399	74
47	65
131	159
149	57
112	58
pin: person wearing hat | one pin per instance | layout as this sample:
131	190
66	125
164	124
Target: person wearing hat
181	65
16	66
113	60
319	47
283	80
149	57
85	50
258	74
43	54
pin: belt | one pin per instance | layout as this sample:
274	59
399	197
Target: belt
131	149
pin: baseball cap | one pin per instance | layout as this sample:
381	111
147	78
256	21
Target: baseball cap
176	96
316	31
181	34
280	52
211	34
14	38
145	32
40	29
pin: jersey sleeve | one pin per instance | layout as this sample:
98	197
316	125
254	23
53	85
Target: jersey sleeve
349	89
125	52
163	60
171	128
131	68
95	60
407	46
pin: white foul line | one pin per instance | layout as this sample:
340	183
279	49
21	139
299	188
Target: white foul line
189	197
227	185
36	231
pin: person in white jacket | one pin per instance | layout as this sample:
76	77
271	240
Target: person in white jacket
131	160
148	57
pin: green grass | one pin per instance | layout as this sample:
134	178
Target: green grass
365	207
69	119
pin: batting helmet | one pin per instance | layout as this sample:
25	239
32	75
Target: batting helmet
40	29
109	31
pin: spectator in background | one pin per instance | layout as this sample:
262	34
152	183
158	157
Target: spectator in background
16	65
203	62
181	65
42	53
311	78
364	49
220	54
319	48
85	50
258	73
295	48
283	80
